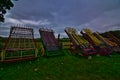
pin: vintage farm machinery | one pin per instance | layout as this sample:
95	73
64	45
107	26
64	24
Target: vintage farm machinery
20	45
79	45
101	47
51	45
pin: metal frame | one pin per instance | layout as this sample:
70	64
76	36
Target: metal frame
20	45
100	46
80	45
50	44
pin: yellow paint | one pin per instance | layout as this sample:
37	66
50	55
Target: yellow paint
78	40
42	52
2	55
94	39
106	40
36	52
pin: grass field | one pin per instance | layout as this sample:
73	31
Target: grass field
66	67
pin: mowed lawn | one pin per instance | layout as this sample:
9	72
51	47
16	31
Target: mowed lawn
66	67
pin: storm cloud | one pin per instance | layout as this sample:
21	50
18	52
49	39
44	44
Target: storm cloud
98	15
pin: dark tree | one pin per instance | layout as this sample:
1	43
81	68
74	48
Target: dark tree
4	6
115	33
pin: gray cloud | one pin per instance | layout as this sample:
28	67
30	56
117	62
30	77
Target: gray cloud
59	14
109	20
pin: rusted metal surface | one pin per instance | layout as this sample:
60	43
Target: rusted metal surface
21	39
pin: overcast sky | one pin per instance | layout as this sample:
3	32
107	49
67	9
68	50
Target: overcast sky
98	15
